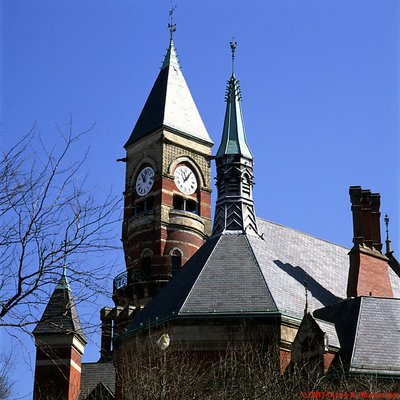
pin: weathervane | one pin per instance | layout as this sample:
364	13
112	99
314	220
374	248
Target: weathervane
171	25
233	45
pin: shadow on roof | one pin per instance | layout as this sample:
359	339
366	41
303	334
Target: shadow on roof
319	292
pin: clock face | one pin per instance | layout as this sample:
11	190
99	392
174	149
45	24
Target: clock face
144	181
185	179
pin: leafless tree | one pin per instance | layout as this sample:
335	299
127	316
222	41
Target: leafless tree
245	371
6	367
49	218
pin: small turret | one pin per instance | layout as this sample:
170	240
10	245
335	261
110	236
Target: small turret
235	206
60	344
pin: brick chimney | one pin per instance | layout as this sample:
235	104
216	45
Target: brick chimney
368	273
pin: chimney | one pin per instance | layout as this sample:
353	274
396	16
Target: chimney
106	334
368	273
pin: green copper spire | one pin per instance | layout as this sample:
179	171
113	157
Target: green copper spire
63	282
234	209
233	135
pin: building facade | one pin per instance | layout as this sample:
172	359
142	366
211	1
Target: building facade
185	276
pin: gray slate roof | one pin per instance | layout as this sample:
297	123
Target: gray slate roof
60	315
369	332
93	374
170	104
223	277
239	274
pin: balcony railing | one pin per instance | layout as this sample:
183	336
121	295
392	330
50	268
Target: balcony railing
131	276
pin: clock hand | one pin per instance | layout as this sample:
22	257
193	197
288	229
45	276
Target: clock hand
187	177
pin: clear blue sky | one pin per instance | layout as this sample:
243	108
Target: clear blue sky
319	79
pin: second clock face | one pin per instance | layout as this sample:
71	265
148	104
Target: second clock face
185	179
144	181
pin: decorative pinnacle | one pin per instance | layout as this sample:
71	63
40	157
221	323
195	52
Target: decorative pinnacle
306	290
233	45
388	247
171	25
386	219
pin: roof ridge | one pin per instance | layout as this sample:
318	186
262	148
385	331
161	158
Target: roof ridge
260	271
356	332
201	272
302	233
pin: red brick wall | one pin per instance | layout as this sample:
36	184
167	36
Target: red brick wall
328	358
368	276
285	358
59	378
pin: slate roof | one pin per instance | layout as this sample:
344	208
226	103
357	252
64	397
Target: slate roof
369	333
60	315
95	373
170	104
223	277
237	274
329	329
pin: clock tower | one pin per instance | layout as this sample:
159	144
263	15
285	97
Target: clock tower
167	214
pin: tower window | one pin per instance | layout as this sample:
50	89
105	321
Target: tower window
144	205
176	260
146	262
234	185
179	203
246	185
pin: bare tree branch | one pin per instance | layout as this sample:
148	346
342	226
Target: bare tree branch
48	216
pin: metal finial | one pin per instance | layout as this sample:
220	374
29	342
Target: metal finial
306	290
388	247
171	25
233	45
63	283
386	219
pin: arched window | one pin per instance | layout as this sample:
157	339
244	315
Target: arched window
176	260
146	261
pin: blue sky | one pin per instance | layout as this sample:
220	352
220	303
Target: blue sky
319	79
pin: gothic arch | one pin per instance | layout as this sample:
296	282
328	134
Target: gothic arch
175	250
147	252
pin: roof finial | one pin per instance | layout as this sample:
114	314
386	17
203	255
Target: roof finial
63	283
388	247
306	289
171	25
233	48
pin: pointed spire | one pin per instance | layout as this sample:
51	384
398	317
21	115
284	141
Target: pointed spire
170	103
234	207
233	136
171	58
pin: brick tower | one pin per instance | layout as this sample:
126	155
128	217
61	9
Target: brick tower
167	187
60	343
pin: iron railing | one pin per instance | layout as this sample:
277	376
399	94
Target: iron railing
127	277
132	276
